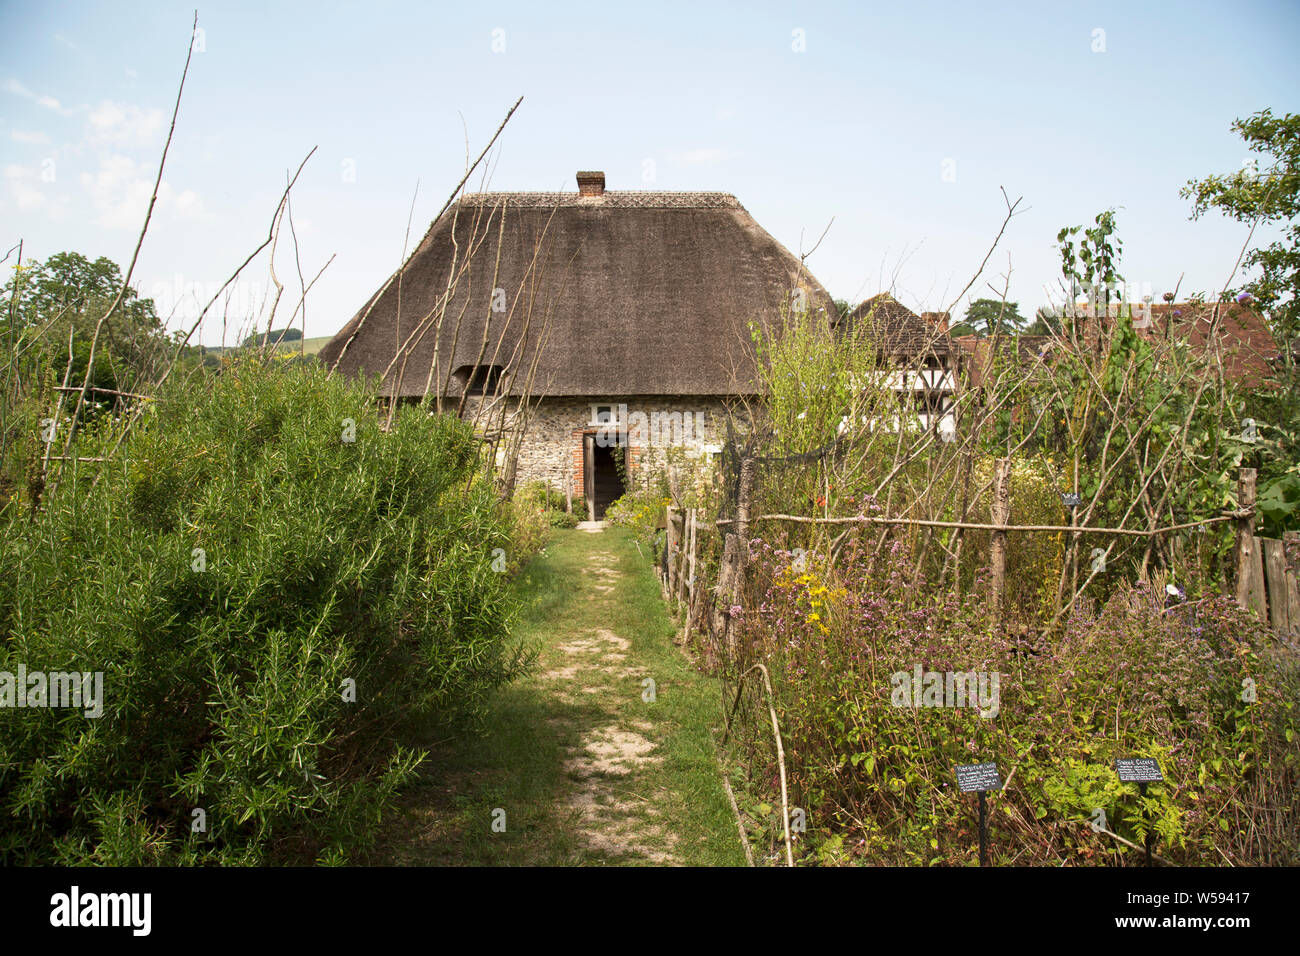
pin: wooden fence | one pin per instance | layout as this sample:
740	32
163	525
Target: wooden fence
1271	590
679	573
1266	569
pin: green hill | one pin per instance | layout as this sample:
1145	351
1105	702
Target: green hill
312	346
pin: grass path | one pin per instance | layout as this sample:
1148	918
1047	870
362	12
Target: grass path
586	768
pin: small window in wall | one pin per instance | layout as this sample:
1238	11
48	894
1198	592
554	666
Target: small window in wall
604	415
479	379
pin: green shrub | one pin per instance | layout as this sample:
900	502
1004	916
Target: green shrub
324	564
530	523
549	503
1203	688
563	519
537	492
639	510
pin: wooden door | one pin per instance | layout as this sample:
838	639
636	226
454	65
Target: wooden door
589	474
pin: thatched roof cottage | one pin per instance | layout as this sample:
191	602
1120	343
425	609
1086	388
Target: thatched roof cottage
612	310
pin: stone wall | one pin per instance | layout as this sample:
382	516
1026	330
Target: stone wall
552	446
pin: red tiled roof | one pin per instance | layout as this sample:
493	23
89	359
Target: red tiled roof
1245	342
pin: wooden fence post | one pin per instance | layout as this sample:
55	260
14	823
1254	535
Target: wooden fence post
671	546
683	549
735	559
1249	584
683	576
1275	575
690	580
1001	515
684	554
1290	556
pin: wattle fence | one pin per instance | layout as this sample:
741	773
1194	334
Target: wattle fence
1266	571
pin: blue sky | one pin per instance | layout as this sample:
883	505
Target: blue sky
898	121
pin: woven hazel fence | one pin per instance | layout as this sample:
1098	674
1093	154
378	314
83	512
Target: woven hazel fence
680	572
1265	570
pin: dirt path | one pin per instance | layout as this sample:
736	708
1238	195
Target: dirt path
608	757
602	755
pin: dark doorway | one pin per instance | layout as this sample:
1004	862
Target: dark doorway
604	483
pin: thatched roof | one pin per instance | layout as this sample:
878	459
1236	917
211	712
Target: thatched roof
899	331
648	293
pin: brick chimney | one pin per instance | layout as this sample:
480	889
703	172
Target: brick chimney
591	183
938	319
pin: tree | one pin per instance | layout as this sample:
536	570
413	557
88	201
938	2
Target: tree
68	294
985	316
275	337
1046	322
69	281
1270	195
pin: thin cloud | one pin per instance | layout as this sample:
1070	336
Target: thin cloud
20	184
49	102
119	193
124	125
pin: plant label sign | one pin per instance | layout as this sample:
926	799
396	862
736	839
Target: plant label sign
1072	499
1138	770
978	777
